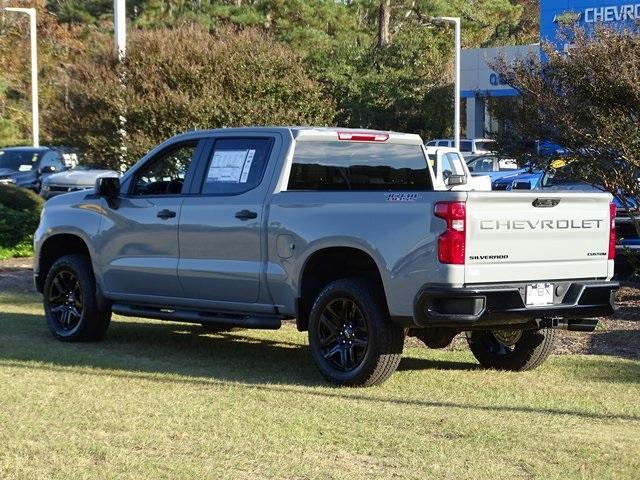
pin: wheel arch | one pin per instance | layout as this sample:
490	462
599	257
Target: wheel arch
327	264
54	247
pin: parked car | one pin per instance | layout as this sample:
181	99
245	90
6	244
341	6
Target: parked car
449	167
80	177
468	146
527	180
342	230
27	166
493	166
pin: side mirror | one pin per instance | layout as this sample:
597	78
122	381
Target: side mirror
455	180
108	187
47	169
521	186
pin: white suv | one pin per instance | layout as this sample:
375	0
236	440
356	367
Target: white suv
468	146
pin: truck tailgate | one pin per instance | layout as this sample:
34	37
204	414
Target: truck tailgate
535	236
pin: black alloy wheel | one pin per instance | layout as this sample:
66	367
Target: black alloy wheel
72	307
352	339
343	334
65	300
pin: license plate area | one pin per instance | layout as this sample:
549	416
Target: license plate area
539	294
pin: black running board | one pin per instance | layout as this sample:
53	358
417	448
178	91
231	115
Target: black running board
193	316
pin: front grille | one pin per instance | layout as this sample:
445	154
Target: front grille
58	188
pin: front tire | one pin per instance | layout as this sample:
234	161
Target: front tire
515	350
351	337
70	305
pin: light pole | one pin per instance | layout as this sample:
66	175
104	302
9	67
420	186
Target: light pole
120	38
35	115
456	116
120	27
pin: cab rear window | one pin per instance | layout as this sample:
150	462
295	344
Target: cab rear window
352	166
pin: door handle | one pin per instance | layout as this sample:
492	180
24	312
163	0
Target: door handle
246	215
166	214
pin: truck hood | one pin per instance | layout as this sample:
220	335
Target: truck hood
7	172
20	178
78	178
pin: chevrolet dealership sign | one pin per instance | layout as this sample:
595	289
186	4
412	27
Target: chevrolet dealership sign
479	81
612	13
588	13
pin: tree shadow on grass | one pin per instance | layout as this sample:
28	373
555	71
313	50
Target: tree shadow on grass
144	350
621	343
183	349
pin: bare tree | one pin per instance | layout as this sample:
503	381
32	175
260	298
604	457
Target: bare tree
384	21
587	101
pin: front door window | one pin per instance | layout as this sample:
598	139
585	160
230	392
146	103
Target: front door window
165	175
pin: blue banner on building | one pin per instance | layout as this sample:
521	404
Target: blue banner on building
586	14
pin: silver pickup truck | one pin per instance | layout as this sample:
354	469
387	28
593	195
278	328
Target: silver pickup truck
341	230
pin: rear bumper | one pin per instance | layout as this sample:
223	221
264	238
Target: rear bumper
499	305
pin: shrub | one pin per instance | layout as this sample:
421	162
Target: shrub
19	215
180	79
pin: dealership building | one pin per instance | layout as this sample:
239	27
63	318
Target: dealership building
479	82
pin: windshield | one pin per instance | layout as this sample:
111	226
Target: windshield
20	160
554	175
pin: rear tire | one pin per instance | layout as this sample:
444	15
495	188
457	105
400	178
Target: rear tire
530	350
70	304
351	337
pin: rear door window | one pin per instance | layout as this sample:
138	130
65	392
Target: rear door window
443	143
236	165
351	166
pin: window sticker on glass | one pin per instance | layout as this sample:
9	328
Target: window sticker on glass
247	166
230	166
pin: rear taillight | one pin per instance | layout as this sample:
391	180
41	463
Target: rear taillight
451	244
612	231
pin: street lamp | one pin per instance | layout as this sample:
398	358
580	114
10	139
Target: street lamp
456	116
120	27
34	71
120	38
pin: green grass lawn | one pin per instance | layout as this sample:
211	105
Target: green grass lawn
162	400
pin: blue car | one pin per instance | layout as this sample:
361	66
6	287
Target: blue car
26	167
522	180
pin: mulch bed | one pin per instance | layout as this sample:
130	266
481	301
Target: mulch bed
618	336
16	275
